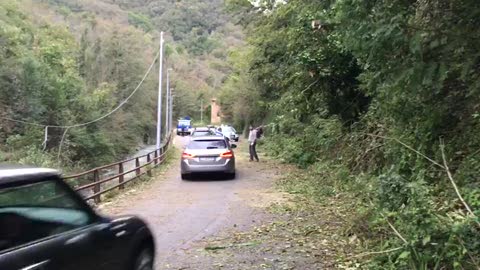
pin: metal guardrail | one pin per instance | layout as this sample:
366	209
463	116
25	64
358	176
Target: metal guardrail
91	184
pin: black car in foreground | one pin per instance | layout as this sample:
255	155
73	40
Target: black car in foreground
45	225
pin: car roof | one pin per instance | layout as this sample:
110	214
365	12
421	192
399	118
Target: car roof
209	138
202	129
24	174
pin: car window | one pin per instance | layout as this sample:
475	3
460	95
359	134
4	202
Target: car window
35	211
202	133
228	129
207	144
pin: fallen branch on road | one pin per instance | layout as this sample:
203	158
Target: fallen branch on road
232	245
377	252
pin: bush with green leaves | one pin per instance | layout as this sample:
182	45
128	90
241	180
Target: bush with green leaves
387	90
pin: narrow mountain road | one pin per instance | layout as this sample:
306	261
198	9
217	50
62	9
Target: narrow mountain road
183	212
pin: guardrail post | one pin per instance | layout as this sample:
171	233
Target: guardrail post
137	165
156	157
120	177
96	188
160	160
149	168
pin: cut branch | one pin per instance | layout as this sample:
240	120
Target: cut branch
377	252
410	148
450	177
394	229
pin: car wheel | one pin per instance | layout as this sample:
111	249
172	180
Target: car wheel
231	176
144	259
185	176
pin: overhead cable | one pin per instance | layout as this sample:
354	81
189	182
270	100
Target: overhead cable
97	119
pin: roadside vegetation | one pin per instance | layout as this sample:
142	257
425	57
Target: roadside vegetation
379	103
66	62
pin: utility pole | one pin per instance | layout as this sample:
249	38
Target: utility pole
171	107
167	110
159	105
201	111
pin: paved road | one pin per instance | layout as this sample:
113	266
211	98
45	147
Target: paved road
181	212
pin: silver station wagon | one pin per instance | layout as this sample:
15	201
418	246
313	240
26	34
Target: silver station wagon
208	154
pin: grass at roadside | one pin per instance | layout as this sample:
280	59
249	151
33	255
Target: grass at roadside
324	214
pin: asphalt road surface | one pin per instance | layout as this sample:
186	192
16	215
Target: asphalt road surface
181	212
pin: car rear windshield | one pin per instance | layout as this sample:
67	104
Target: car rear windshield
203	133
207	144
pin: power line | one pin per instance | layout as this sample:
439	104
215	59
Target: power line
99	118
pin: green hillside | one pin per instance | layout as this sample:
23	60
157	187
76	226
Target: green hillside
65	62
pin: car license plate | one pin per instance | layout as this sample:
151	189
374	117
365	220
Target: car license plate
207	159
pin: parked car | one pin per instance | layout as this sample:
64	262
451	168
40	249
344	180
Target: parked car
211	154
202	131
46	225
229	132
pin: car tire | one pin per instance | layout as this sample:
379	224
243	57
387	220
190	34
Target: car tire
231	176
185	176
236	140
144	259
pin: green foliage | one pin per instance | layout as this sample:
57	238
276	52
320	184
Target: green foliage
140	21
49	77
198	35
61	75
377	84
199	44
240	100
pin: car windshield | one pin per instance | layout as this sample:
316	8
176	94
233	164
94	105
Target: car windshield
34	211
202	133
228	129
207	144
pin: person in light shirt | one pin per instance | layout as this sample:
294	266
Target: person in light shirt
252	140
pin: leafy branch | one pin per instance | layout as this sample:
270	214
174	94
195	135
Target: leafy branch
444	167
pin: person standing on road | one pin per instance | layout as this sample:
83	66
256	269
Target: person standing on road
252	140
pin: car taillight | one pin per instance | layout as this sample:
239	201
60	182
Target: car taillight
228	154
186	155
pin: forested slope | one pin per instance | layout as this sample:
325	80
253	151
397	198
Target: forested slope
68	62
380	101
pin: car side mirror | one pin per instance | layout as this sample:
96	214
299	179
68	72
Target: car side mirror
233	146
